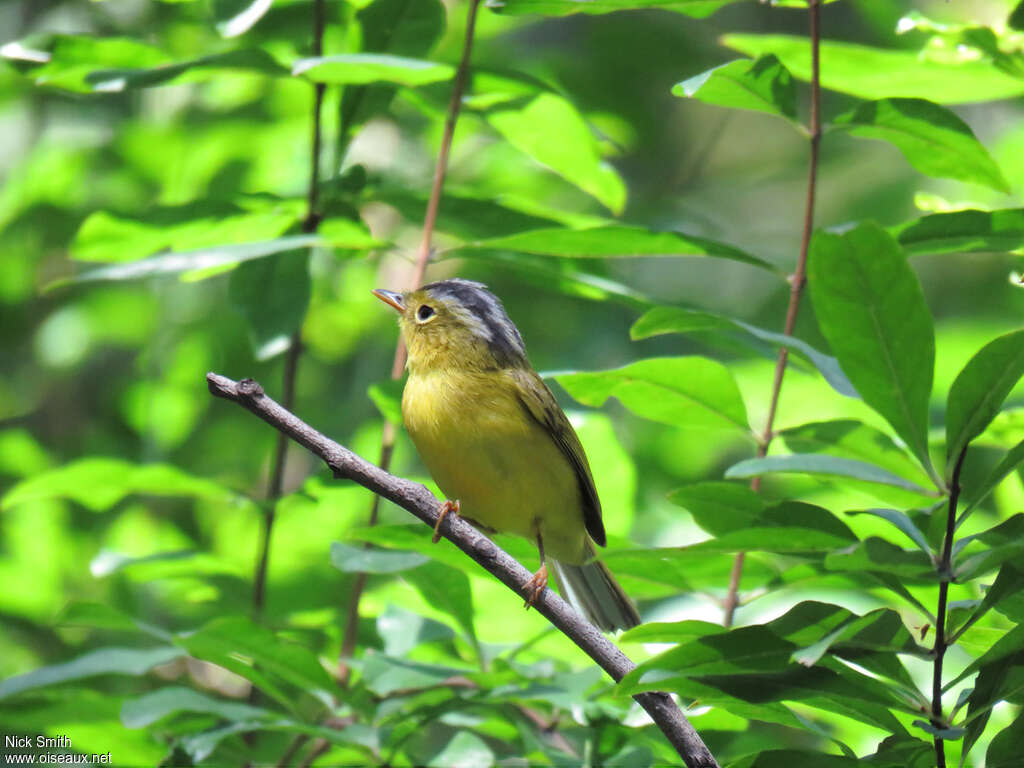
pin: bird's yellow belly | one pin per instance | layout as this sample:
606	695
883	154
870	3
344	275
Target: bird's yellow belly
483	449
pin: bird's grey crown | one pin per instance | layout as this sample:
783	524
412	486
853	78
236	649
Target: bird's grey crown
502	336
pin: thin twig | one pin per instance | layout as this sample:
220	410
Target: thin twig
797	282
387	443
415	498
945	577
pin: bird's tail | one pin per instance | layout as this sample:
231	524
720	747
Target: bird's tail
595	593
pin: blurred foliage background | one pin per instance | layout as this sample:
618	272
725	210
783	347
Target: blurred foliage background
152	152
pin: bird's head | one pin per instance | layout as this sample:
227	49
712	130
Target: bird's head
456	324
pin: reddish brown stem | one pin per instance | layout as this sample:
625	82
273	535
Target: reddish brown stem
796	289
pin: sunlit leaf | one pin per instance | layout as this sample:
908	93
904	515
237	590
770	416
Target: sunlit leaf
979	391
822	464
718	507
871	309
363	68
963	232
203	68
148	709
691	392
932	138
790	526
550	130
902	522
875	554
764	85
878	73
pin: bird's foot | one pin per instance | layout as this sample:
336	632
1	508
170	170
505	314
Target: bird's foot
537	584
446	508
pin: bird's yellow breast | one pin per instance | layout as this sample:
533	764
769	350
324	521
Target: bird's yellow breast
484	449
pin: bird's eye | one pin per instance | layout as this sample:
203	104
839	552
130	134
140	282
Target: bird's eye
424	313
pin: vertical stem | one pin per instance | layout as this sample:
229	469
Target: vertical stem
387	447
796	286
945	577
291	361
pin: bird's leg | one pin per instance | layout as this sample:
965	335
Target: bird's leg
539	582
446	508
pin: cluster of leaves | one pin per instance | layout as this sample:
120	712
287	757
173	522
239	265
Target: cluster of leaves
133	496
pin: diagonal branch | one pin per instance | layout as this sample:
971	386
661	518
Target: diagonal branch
415	498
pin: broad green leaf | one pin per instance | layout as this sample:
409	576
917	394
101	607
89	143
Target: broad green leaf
1013	459
1004	749
871	309
902	752
363	68
792	758
99	483
696	8
615	242
551	131
148	709
190	261
932	138
1000	544
681	320
764	85
384	674
105	661
1006	595
64	61
401	631
963	232
465	750
903	522
97	615
791	526
667	571
671	632
979	391
362	560
194	70
691	392
719	508
273	295
258	655
447	589
104	236
236	17
387	396
875	554
1016	19
822	464
395	27
878	73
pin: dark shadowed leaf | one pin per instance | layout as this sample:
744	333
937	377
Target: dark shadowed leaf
106	661
878	73
963	232
1004	750
148	709
790	526
447	589
903	522
1002	543
719	508
871	309
933	139
273	295
822	464
764	85
362	560
791	758
875	554
691	392
1010	461
979	391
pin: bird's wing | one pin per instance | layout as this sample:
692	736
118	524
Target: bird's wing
541	405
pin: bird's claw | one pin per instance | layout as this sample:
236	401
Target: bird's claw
537	584
447	508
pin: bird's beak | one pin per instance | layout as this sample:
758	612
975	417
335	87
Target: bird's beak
390	297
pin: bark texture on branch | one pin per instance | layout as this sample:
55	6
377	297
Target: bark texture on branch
416	499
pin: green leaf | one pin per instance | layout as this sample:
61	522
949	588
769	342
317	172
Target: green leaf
963	232
875	554
661	320
791	526
236	17
255	653
670	632
396	27
1016	18
903	522
363	68
764	85
387	396
64	61
1004	749
933	139
979	391
194	70
614	241
155	706
871	309
719	508
99	483
822	464
447	589
792	758
691	392
362	560
465	750
273	295
1001	543
106	661
384	674
877	73
189	261
550	130
1010	461
696	8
